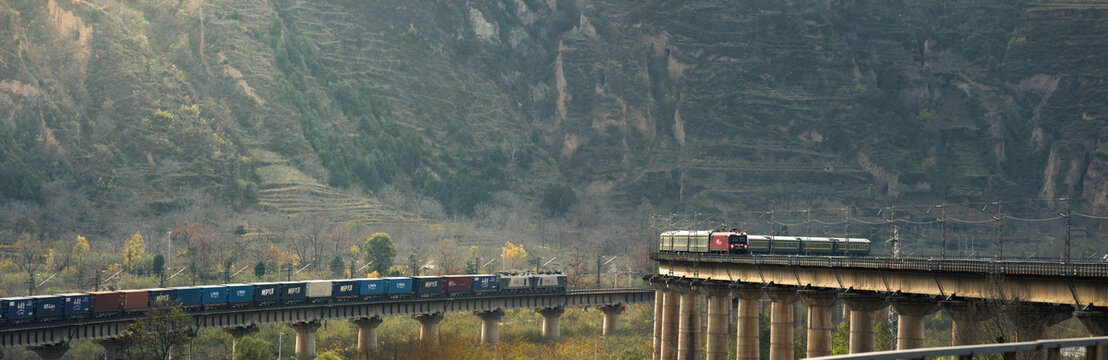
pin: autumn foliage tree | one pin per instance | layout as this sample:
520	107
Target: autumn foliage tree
513	254
133	252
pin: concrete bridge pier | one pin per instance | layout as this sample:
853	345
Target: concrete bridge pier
689	324
611	317
305	337
1031	321
50	352
659	312
490	325
550	319
113	348
1096	321
719	321
966	314
367	334
236	334
819	320
782	316
862	306
429	327
670	321
910	311
746	342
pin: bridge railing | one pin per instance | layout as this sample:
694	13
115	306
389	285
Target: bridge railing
969	351
1092	269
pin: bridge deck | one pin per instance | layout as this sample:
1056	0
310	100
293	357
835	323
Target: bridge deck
1076	283
60	331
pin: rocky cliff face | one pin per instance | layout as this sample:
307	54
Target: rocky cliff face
694	105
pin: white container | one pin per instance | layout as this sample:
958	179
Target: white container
319	288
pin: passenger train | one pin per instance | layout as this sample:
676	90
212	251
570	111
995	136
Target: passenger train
735	242
15	310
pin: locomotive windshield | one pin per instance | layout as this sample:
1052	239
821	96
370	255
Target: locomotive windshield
736	239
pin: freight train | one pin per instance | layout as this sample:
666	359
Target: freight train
195	298
735	242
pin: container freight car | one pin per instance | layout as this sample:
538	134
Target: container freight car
395	286
318	290
106	303
485	283
371	287
293	292
135	300
344	289
267	293
213	295
188	297
160	297
48	306
457	284
18	309
427	286
75	305
240	294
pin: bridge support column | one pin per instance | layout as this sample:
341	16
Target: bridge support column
670	322
687	344
429	327
910	311
746	346
1096	321
550	319
490	325
782	316
966	314
113	348
50	352
819	320
611	317
305	337
237	333
659	312
862	306
367	334
719	321
1032	319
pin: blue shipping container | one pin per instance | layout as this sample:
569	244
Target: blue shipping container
160	297
19	308
48	306
267	292
344	288
485	283
213	294
240	293
398	285
75	304
188	296
369	287
293	291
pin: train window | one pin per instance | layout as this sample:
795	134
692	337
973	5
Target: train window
736	239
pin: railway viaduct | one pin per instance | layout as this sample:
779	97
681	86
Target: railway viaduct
50	339
1032	294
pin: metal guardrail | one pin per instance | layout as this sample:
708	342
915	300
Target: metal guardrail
1088	269
972	350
